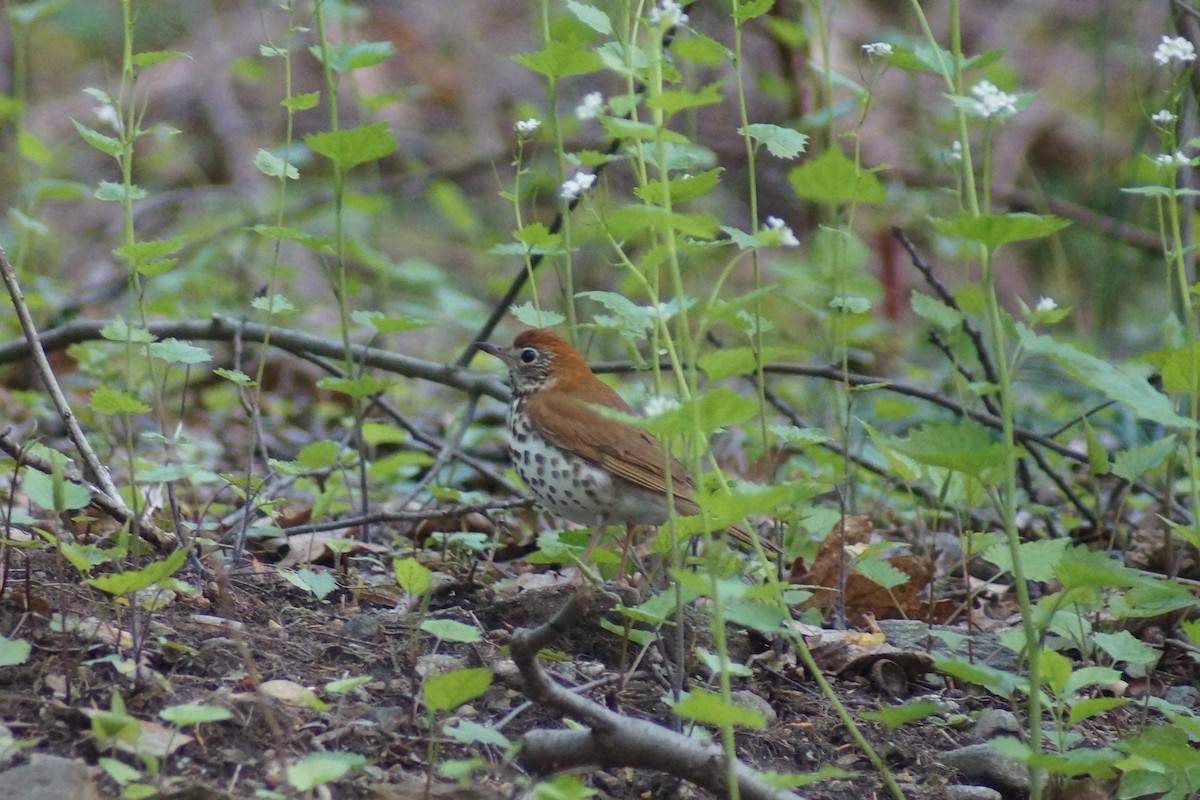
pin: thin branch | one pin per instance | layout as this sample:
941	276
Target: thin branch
614	741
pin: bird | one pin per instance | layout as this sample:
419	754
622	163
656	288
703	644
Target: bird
579	464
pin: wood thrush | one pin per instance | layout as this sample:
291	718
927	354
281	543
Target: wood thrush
579	464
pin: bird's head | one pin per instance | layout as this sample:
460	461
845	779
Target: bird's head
539	359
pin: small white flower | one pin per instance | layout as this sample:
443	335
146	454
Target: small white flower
525	127
573	187
1163	117
661	404
1176	159
1174	48
668	13
107	113
991	102
590	106
877	49
1046	304
956	150
787	238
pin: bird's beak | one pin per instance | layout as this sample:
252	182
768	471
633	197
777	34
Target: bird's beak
494	350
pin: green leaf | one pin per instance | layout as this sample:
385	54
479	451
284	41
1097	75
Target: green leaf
1093	707
965	447
14	651
700	49
1039	558
1097	454
301	102
273	166
40	488
1181	368
28	13
412	576
672	101
731	361
365	386
236	376
150	250
110	401
111	192
350	56
274	304
123	583
1123	646
895	716
474	733
996	681
143	60
450	690
632	218
353	146
174	351
319	454
449	630
833	178
591	16
755	615
388	323
706	707
560	59
317	769
936	312
344	685
319	584
781	142
684	187
751	9
105	144
881	572
1134	462
119	331
194	714
1117	384
993	230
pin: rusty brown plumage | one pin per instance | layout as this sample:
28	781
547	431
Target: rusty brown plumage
578	463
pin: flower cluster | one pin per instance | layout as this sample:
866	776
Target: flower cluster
590	106
1172	160
525	127
661	404
1045	304
668	14
577	185
1163	117
877	49
1174	48
786	237
991	102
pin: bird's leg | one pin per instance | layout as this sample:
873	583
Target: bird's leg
601	527
625	553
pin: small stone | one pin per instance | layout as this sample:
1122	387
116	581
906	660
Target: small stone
971	793
49	778
753	702
981	764
1186	696
992	723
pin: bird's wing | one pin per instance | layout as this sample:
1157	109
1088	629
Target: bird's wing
627	451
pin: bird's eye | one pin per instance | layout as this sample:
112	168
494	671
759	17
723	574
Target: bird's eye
529	355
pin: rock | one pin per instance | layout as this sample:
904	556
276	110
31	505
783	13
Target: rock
755	703
49	778
971	793
979	763
1186	696
992	723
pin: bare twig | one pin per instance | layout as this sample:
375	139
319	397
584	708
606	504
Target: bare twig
91	461
613	740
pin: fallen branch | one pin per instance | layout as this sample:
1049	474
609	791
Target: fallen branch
616	741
